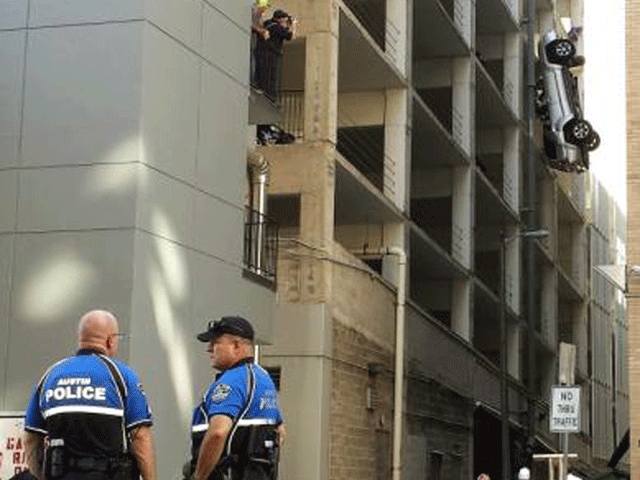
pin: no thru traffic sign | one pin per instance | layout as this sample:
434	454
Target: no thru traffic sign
565	409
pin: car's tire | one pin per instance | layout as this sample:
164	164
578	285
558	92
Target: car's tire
593	141
560	51
577	131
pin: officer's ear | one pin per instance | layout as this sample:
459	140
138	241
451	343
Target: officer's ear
111	344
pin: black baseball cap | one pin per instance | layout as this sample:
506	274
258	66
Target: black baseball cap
233	325
280	14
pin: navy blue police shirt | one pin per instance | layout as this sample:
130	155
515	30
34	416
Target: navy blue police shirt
230	394
78	400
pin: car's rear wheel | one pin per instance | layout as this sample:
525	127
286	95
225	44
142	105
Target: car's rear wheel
560	51
593	141
578	131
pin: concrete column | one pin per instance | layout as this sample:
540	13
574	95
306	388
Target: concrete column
303	351
463	103
581	336
317	221
464	16
511	170
461	319
512	269
463	126
321	87
513	65
515	6
397	148
397	38
579	255
463	130
515	345
462	222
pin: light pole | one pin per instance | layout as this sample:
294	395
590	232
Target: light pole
504	392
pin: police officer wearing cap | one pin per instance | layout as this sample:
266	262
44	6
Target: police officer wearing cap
238	427
93	412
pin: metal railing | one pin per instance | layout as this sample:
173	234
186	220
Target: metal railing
266	67
372	15
260	244
364	147
292	102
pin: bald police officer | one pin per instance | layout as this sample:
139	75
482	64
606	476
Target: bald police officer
238	427
93	411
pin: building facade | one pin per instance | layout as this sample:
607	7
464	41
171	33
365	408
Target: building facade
124	129
122	186
409	120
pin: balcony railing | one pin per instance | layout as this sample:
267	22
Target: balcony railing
364	147
266	67
292	102
260	244
372	14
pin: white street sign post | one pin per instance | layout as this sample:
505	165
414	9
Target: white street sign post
565	409
565	417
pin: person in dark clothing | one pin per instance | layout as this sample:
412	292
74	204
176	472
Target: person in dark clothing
268	53
281	27
24	475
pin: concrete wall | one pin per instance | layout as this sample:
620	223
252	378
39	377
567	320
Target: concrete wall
122	164
303	351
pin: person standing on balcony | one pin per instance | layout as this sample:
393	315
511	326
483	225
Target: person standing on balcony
259	37
257	18
281	26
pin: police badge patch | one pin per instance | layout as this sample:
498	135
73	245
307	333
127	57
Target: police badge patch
221	392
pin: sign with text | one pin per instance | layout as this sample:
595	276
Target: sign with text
565	409
12	457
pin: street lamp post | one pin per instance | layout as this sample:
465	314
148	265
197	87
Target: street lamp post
504	391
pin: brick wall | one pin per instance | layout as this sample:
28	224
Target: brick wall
443	421
361	438
633	218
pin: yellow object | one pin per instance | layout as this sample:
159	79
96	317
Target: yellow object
263	3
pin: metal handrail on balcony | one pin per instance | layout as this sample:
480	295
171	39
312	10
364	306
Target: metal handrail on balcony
260	244
363	149
382	30
292	102
266	67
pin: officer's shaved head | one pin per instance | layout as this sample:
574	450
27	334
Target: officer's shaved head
97	330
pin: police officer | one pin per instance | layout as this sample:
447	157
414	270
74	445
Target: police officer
93	412
238	427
